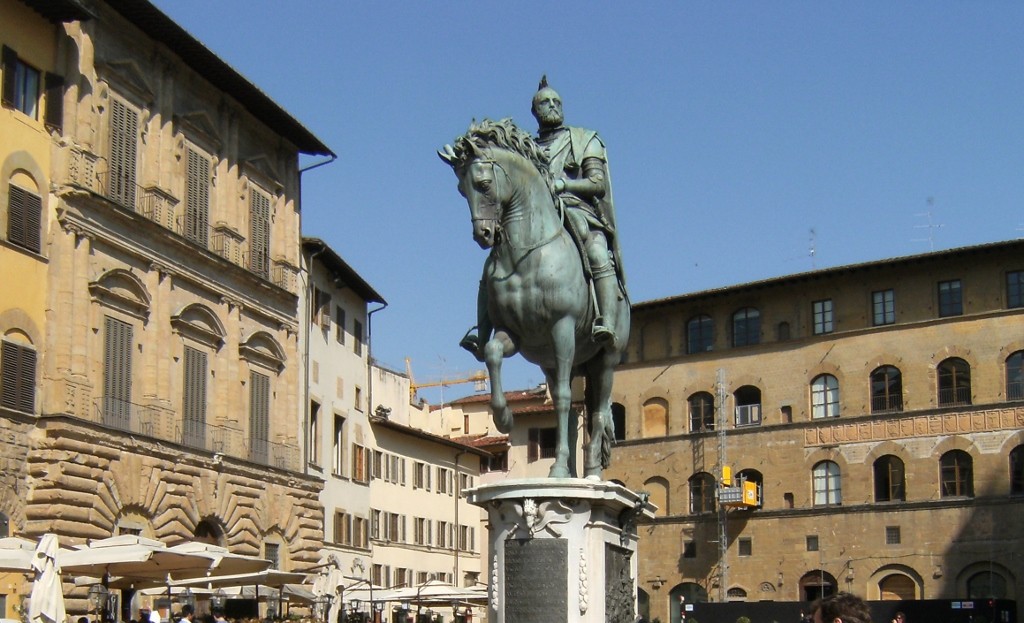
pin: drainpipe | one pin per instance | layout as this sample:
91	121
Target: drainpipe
308	295
369	357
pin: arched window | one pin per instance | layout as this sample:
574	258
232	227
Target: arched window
890	479
748	406
702	412
619	421
956	474
208	531
658	488
655	418
746	327
986	585
817	584
756	477
954	382
886	390
824	397
827	484
700	334
702	493
736	594
1015	376
17	373
1017	471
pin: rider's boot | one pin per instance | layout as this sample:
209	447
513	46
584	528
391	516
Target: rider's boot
606	290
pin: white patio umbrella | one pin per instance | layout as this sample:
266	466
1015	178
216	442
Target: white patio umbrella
46	602
434	591
223	562
269	577
16	554
135	560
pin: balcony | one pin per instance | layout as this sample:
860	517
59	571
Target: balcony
886	404
166	425
954	396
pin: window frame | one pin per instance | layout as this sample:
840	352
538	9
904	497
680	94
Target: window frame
24	218
953	382
822	313
884	397
18	363
1014	289
956	475
1015	376
824	397
827	484
700	334
890	479
746	327
883	307
950	298
704	420
702	494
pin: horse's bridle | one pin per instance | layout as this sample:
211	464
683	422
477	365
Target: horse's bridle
499	216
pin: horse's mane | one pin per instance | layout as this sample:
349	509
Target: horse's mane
501	134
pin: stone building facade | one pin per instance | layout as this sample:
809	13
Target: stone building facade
877	409
168	369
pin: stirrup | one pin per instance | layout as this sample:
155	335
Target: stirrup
603	335
471	341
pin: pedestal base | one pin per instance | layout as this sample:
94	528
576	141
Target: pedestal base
561	550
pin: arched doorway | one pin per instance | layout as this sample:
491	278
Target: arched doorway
682	594
817	584
897	587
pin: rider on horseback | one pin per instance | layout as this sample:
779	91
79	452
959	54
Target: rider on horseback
578	166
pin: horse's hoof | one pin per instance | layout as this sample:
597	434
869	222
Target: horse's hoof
558	471
503	421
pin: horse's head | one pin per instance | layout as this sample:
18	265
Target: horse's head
482	160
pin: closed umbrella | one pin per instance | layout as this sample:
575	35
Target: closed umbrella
46	603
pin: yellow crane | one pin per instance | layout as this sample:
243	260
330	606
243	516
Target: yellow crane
479	377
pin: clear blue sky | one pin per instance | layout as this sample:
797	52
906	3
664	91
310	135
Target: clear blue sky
733	130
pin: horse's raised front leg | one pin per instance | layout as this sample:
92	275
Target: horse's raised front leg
497	348
559	377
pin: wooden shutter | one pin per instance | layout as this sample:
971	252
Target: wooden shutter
117	373
259	233
54	114
259	416
8	60
24	215
17	377
533	451
194	398
197	198
124	128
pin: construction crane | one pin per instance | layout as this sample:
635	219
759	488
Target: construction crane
478	377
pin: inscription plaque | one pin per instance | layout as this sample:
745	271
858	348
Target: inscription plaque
536	581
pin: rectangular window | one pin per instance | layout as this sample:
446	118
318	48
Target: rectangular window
951	299
542	443
822	316
342	528
442	534
360	537
812	542
1015	288
17	377
883	305
748	415
744	546
271	552
259	417
124	132
21	84
338	446
378	464
194	398
339	325
375	524
699	335
314	432
419	533
357	337
259	233
892	535
197	198
117	373
359	463
24	218
690	549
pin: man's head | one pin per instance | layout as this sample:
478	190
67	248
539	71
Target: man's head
841	608
547	106
186	611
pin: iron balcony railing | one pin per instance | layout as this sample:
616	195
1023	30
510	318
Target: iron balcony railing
166	425
954	396
886	404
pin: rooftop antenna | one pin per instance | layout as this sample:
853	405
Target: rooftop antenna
931	227
813	249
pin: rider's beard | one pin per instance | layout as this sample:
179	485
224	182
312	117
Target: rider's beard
550	118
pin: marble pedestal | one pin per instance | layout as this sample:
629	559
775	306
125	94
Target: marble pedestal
561	550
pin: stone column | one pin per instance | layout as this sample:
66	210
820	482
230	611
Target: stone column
561	550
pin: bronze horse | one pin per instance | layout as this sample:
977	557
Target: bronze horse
535	298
